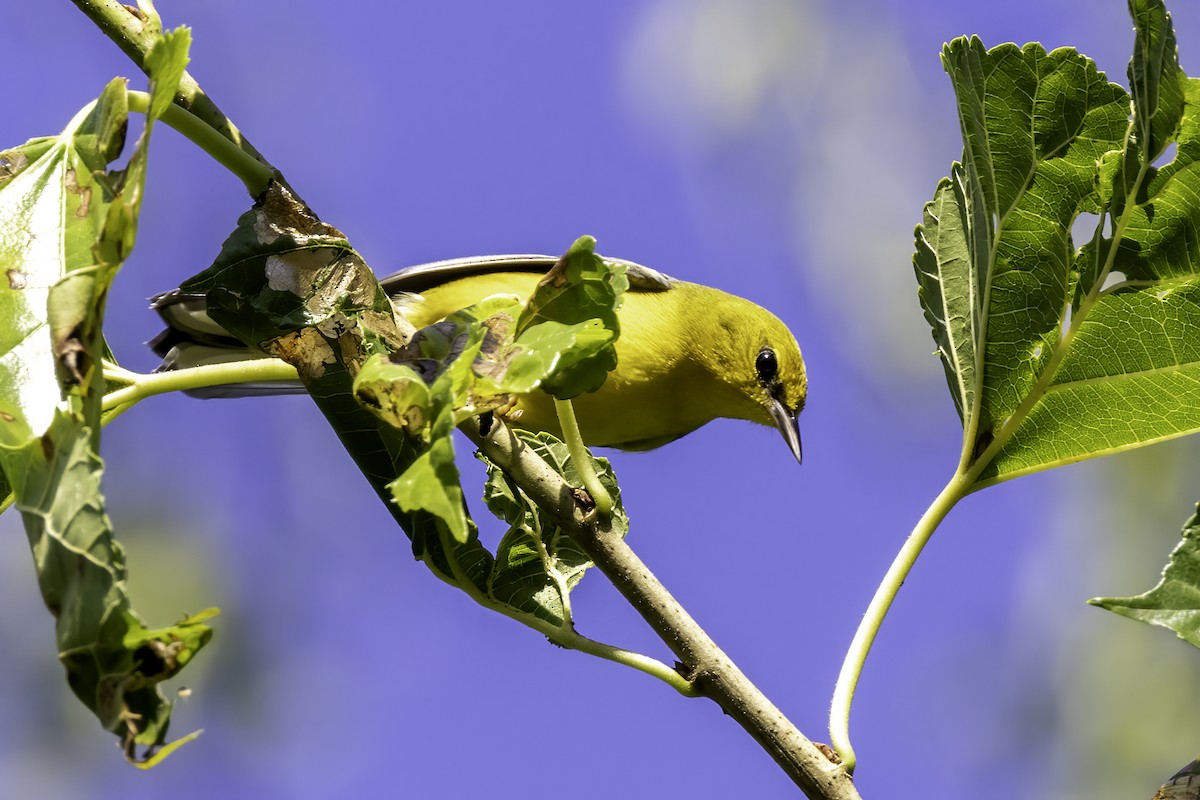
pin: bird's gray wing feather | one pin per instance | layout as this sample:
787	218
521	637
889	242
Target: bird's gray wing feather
419	278
191	337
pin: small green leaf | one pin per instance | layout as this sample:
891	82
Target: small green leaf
166	63
537	563
547	354
431	484
1175	602
1154	77
396	393
579	288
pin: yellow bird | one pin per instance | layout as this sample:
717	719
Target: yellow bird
687	354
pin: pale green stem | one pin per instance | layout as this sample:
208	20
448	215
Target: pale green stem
143	386
643	663
581	458
564	634
166	750
252	172
843	693
136	38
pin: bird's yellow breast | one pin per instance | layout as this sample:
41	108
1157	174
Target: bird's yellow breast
662	387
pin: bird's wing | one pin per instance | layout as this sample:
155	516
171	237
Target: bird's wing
419	278
186	316
187	319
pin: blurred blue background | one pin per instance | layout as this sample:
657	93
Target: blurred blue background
778	149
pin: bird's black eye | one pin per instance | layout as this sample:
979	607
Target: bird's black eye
767	366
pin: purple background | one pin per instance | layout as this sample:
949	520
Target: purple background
779	149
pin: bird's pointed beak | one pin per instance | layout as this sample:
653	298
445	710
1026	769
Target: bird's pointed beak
789	425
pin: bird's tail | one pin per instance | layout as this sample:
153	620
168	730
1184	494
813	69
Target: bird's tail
192	339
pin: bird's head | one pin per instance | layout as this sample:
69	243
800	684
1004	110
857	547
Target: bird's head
757	357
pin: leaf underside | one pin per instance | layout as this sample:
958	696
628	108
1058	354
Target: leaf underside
1052	352
67	223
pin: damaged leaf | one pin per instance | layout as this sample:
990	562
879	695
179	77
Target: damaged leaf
582	294
66	225
537	563
1055	353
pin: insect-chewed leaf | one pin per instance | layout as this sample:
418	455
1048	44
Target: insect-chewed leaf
291	284
994	254
396	393
66	225
53	206
537	357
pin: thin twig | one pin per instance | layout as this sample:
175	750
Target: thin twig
711	670
135	36
715	675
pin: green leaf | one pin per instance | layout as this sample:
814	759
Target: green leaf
291	285
580	288
431	484
52	210
472	362
1154	77
166	63
1054	354
549	354
1175	602
113	663
66	225
537	563
993	257
429	488
396	393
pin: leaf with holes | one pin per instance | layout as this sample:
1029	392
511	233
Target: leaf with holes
67	223
1055	354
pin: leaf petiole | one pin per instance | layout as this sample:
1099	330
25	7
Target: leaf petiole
843	694
138	387
565	634
581	457
252	172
